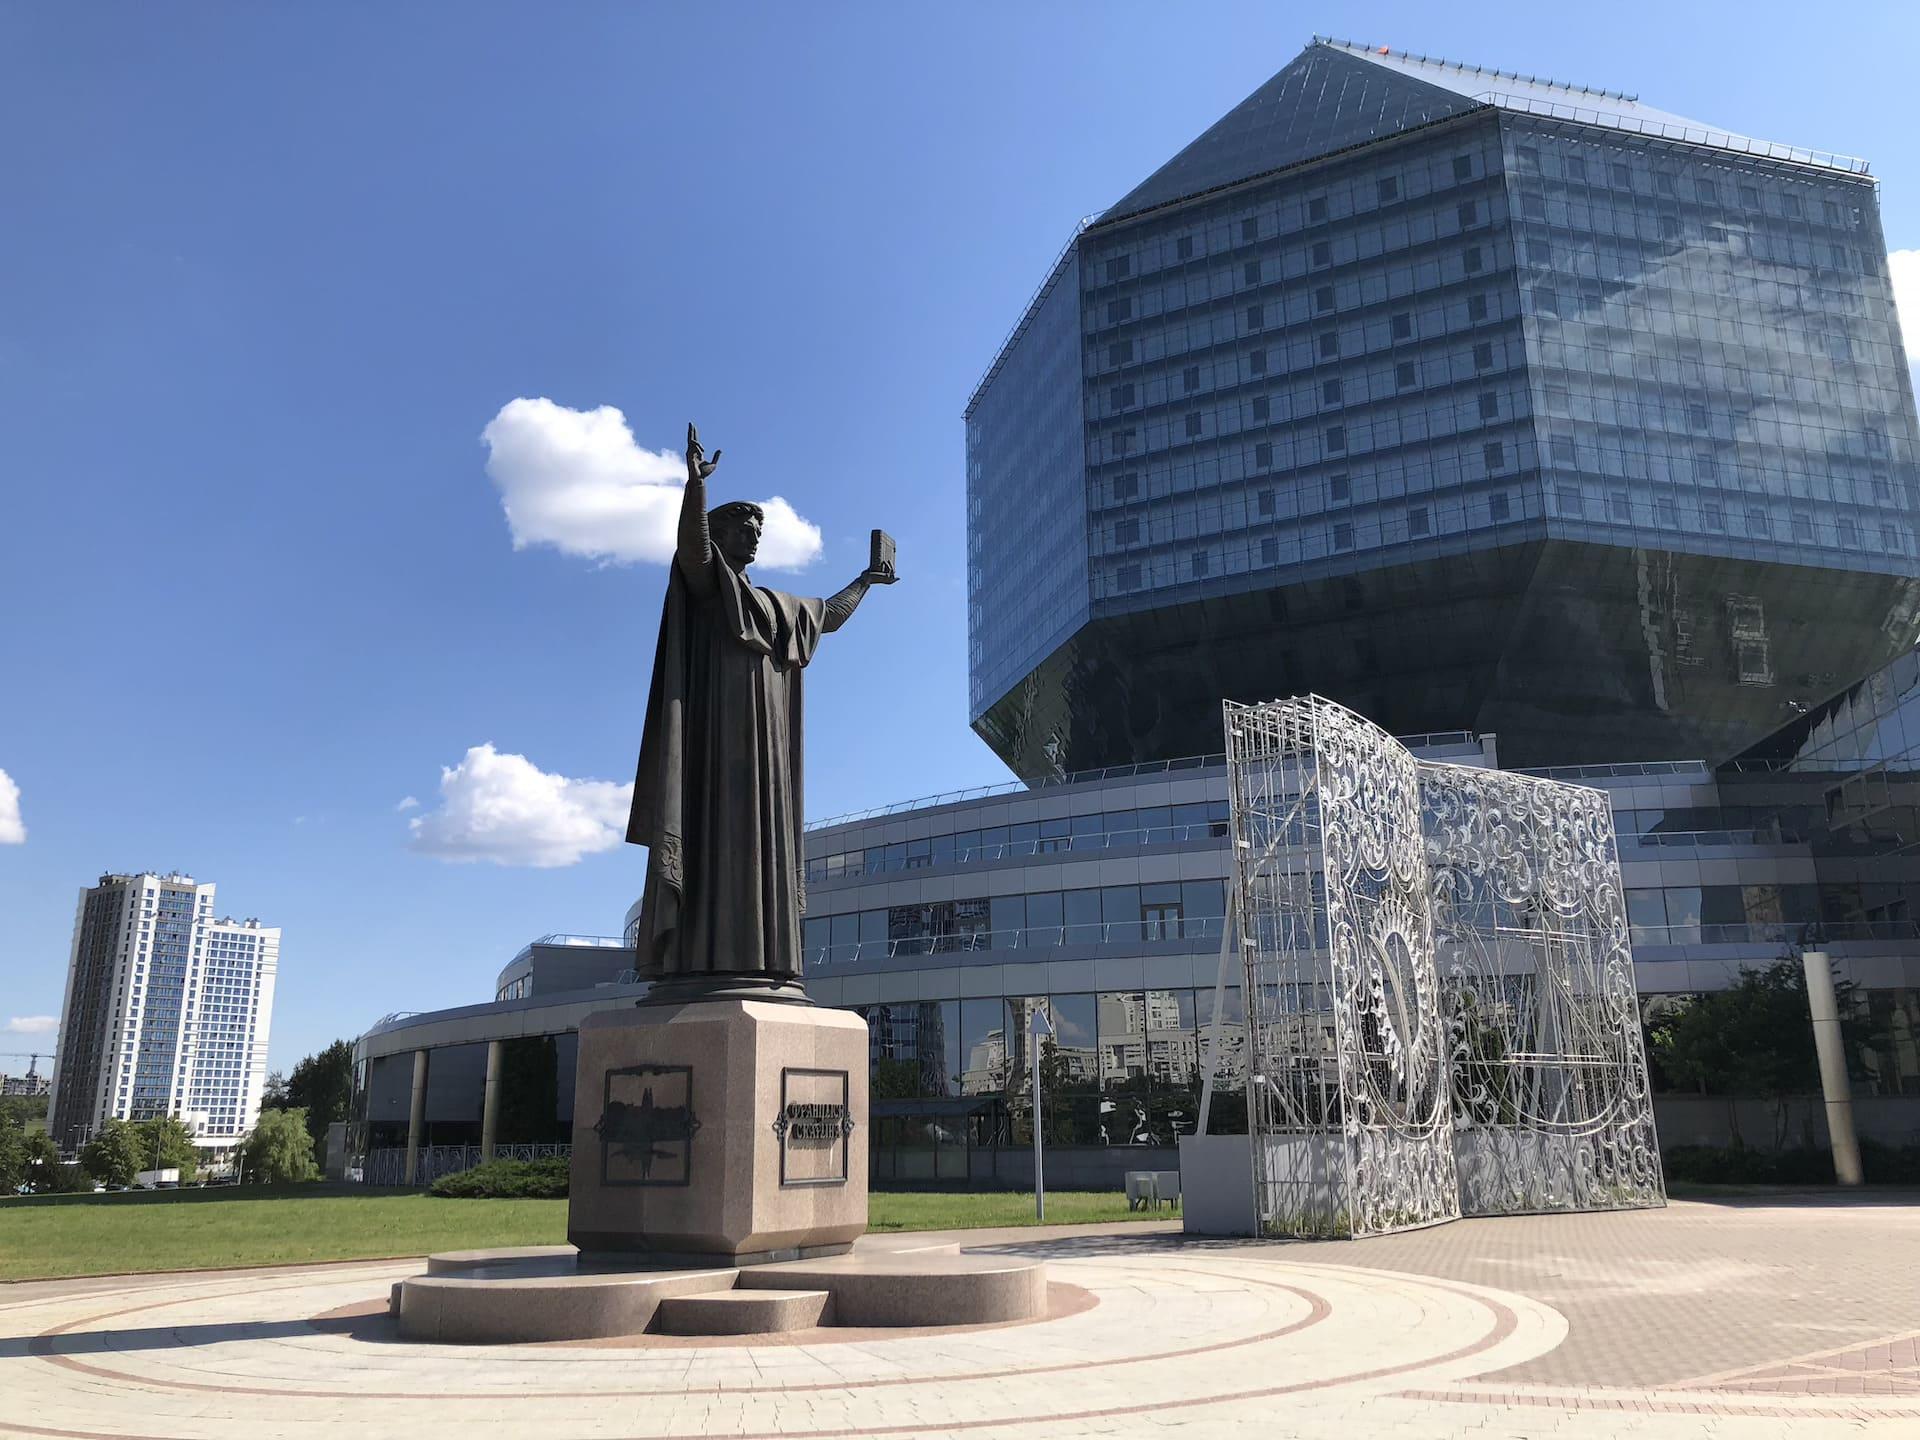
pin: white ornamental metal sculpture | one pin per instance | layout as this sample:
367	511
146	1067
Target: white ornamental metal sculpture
1441	1011
1348	1110
1551	1105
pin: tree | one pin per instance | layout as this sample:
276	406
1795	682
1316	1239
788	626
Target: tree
273	1095
115	1154
13	1155
278	1150
44	1171
322	1085
1754	1038
167	1144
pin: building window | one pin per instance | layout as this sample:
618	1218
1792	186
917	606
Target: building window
1119	268
1533	204
1336	439
1127	486
1252	272
1190	378
1757	523
1470	259
1339	488
1121	309
1266	502
1662	182
1790	205
1262	408
1570	504
1404	376
1462	168
1263	458
1322	252
1697	417
1889	538
1120	353
1199	564
1667	512
1269	552
1483	355
1122	441
1331	392
1323	298
1529	159
1120	397
1256	316
1317	209
1499	508
1183	248
1848	531
1750	197
1249	230
1329	344
1388	189
1713	515
1495	452
1476	308
1193	423
1669	227
1417	522
1539	252
1489	405
1802	525
1704	192
1343	534
1257	363
1618	508
1576	168
1622	177
1129	577
1402	325
1561	447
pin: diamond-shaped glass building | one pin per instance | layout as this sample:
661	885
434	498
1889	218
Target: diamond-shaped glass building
1471	400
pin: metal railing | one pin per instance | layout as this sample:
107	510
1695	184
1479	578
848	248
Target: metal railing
1621	770
819	869
388	1165
1772	932
1021	787
1701	839
1666	130
1024	937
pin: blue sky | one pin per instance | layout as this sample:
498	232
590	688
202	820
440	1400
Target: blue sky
267	273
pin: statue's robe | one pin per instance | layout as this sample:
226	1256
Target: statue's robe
717	800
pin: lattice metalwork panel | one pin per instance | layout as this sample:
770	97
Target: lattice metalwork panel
1348	1109
1551	1106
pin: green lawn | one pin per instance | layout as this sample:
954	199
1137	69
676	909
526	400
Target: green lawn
203	1229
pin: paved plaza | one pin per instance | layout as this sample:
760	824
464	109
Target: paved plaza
1758	1318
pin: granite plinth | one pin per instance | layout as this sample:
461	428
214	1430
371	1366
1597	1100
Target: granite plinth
733	1130
552	1293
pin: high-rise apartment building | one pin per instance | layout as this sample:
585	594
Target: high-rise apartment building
1469	399
166	1012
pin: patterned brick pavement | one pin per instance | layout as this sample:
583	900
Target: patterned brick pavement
1702	1320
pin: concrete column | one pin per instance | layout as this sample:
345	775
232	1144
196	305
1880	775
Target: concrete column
490	1106
416	1117
1833	1067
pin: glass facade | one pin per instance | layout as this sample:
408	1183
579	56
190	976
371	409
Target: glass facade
1503	421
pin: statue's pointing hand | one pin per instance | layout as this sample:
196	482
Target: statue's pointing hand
698	466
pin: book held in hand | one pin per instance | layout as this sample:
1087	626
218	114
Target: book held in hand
882	553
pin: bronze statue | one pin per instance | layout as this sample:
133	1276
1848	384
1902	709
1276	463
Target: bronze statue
717	800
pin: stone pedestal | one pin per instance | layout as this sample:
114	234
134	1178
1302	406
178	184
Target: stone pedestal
730	1129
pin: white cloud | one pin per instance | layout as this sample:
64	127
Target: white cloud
13	830
33	1025
576	480
505	809
1905	265
410	803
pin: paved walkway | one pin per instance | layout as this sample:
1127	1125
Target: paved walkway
1702	1320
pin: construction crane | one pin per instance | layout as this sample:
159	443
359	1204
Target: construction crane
32	1058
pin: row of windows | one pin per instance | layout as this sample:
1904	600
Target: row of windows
1834	208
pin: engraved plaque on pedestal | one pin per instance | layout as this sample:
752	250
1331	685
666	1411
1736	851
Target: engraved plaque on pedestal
814	1127
646	1126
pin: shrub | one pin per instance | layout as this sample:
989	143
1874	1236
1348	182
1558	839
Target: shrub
507	1180
1739	1165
